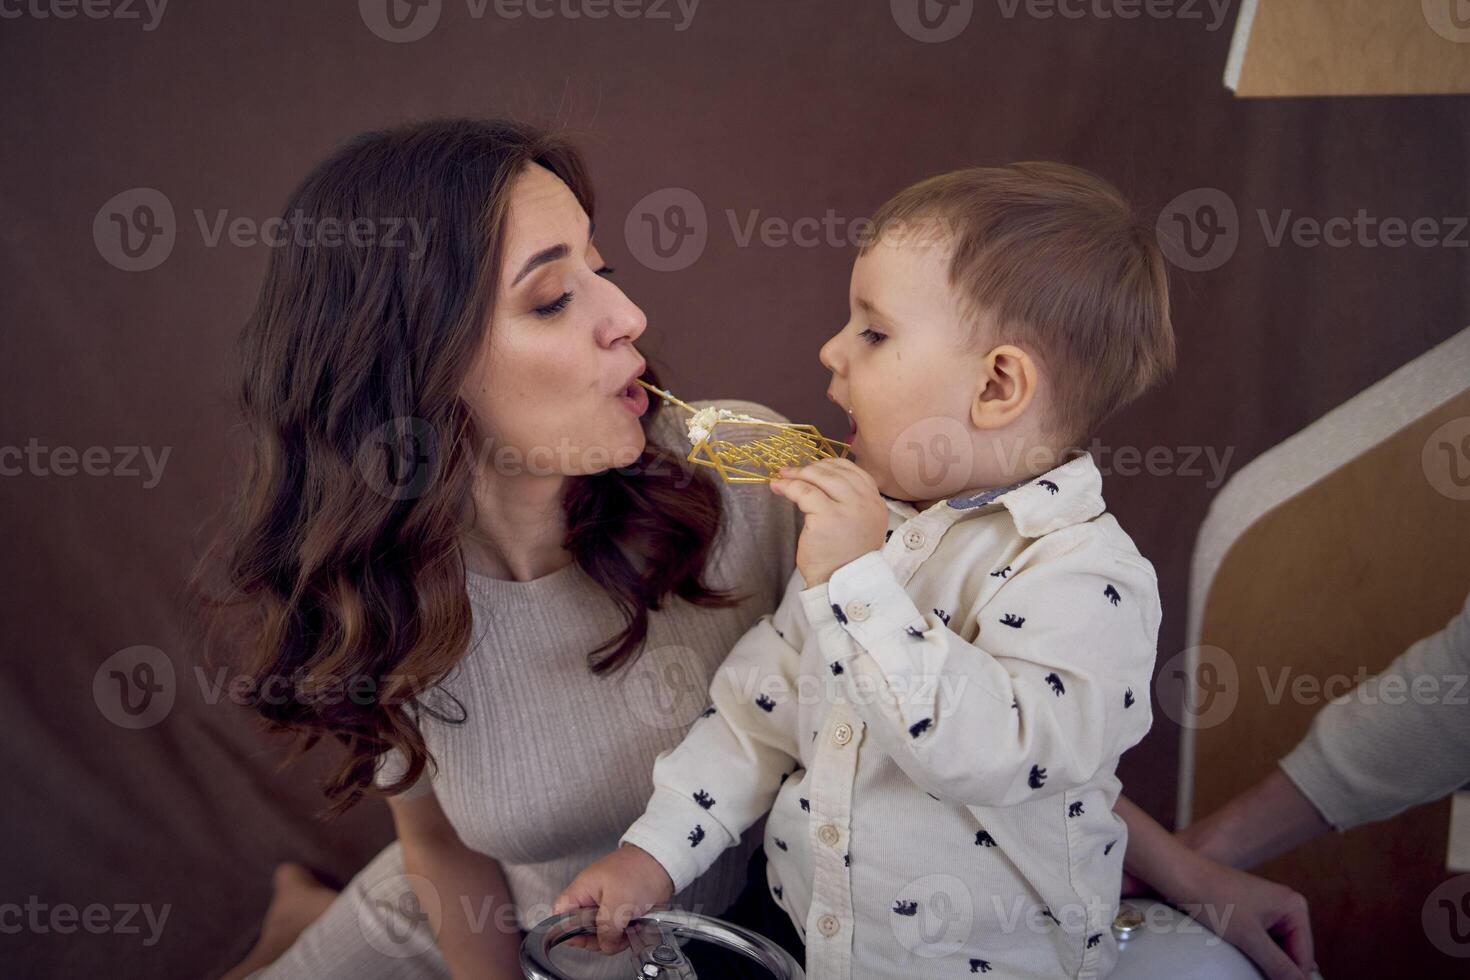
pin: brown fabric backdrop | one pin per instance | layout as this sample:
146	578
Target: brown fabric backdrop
786	109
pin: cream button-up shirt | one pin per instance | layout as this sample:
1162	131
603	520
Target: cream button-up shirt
935	734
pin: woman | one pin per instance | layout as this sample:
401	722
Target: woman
465	520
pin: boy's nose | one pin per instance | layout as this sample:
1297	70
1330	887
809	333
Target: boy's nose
829	355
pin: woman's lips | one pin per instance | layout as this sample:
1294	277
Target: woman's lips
635	399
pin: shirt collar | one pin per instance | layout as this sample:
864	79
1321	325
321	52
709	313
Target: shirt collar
1067	494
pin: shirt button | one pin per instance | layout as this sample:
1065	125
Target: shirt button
828	925
842	734
913	539
857	610
829	835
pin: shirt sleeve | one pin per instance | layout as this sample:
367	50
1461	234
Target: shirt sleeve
725	774
1398	739
1053	689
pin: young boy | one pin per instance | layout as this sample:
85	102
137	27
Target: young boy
933	716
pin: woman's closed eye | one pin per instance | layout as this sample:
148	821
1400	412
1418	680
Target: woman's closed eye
560	303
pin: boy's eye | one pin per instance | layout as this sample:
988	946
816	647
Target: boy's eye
872	336
606	272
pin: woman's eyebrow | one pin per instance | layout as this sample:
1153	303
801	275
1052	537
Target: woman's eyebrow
552	254
542	257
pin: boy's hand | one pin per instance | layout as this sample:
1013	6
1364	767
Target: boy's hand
845	516
621	886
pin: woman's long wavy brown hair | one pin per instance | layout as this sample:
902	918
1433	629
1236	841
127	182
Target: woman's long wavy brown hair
338	571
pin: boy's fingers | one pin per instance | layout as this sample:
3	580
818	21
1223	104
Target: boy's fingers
576	895
832	486
808	497
847	468
845	474
608	929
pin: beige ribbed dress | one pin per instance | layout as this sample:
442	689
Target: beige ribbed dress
552	763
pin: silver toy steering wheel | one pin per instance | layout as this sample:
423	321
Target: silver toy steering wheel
654	939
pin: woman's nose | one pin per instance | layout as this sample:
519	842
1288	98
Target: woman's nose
624	320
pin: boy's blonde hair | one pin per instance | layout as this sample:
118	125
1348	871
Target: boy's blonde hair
1065	267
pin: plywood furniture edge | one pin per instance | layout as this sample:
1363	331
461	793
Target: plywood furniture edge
1284	470
1239	41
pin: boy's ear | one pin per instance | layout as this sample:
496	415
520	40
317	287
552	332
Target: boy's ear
1007	385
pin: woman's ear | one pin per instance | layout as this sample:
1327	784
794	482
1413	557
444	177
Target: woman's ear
1007	385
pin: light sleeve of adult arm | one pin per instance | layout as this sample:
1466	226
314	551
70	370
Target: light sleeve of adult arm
1399	739
1053	689
725	774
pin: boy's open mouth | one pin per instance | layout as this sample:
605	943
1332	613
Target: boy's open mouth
851	419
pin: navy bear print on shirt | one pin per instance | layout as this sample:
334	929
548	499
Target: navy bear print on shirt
905	908
983	839
765	703
1094	939
1013	621
704	799
1075	810
943	616
1128	698
979	966
1002	573
696	835
1111	594
915	632
1051	487
1056	684
806	804
920	727
836	668
1037	778
707	712
1109	848
841	616
780	843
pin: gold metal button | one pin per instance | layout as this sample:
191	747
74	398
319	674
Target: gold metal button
1127	922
